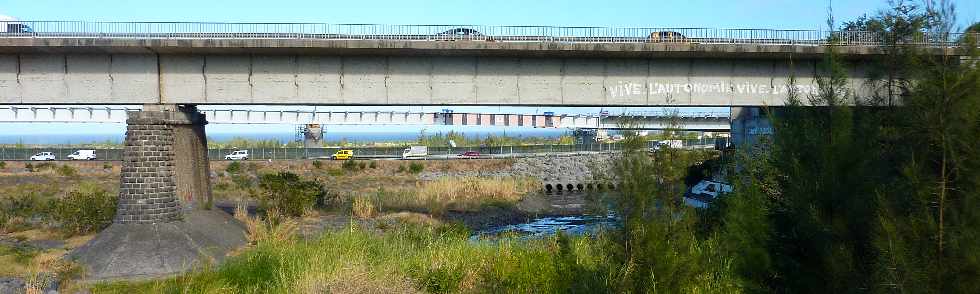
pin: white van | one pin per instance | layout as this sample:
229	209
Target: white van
43	156
82	155
237	155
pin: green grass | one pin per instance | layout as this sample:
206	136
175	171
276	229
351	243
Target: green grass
408	259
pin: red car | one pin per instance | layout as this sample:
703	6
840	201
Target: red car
470	154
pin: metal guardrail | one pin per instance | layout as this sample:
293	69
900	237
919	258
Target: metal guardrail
322	31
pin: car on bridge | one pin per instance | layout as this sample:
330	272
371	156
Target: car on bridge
343	154
667	37
237	155
469	154
44	156
461	34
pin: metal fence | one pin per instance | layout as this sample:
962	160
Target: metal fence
287	153
60	153
313	31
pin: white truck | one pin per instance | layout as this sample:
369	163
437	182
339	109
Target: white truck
83	155
43	156
237	155
11	26
415	152
673	144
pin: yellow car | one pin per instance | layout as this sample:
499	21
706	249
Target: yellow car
343	154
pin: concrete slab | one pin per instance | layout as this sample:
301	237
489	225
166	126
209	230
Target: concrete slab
274	78
139	251
365	80
582	82
409	80
539	81
454	80
228	78
9	79
319	79
182	78
497	80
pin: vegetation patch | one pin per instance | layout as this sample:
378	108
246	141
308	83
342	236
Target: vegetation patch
408	259
416	167
287	193
89	208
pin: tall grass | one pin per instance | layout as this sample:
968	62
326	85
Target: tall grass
441	195
407	260
471	193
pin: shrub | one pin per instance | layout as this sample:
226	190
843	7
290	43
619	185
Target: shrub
88	208
335	172
29	167
401	168
287	193
234	167
107	166
374	164
18	207
221	186
416	167
351	165
67	171
361	165
317	164
3	165
44	165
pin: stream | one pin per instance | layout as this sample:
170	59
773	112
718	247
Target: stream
570	214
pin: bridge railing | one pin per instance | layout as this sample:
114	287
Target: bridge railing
314	31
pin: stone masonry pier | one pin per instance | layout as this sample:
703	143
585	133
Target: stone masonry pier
164	221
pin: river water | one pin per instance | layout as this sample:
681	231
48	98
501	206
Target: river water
572	213
547	226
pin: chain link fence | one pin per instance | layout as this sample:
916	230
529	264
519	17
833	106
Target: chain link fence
288	153
285	153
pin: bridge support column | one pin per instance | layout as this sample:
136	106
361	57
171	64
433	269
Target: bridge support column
164	222
748	125
192	173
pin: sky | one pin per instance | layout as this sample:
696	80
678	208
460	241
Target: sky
623	13
772	14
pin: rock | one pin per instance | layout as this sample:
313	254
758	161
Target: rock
46	244
11	285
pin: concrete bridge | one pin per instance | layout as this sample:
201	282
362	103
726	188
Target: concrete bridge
163	221
320	64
